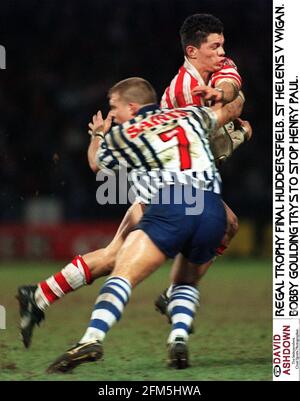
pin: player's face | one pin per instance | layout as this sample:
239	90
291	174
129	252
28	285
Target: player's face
121	111
210	55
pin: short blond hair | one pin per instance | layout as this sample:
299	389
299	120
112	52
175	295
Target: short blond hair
136	90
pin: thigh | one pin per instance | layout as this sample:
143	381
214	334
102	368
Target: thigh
130	220
138	258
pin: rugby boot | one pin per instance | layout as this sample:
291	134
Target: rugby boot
161	304
30	314
178	357
80	353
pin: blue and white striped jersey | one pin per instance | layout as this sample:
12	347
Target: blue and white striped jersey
163	147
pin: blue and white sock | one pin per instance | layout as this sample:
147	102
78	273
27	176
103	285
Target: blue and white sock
109	307
182	308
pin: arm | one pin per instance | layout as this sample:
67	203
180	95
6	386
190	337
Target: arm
92	150
228	80
229	88
230	111
224	92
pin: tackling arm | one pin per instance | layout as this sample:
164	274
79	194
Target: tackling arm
229	88
228	138
227	80
229	111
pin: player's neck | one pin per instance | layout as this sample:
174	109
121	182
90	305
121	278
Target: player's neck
205	75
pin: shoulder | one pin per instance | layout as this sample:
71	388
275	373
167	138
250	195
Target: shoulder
229	63
205	115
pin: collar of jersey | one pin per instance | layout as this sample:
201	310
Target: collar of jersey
152	108
193	71
149	107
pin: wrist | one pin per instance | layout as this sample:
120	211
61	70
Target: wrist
96	134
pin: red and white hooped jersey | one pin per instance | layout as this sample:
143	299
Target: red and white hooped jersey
178	94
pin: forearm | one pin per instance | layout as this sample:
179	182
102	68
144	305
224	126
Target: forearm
230	90
230	111
92	150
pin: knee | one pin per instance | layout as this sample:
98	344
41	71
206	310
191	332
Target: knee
110	259
100	262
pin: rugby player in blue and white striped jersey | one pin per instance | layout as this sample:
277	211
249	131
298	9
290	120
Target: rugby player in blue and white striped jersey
174	145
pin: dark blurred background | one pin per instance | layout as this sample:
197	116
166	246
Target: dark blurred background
63	56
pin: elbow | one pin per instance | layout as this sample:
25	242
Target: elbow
92	162
93	167
238	105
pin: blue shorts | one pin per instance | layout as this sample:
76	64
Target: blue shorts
173	231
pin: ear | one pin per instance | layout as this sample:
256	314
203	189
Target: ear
191	51
134	108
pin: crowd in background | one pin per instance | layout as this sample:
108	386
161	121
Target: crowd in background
62	57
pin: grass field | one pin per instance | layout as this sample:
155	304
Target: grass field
232	339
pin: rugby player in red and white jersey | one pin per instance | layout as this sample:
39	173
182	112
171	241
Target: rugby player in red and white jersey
206	77
34	300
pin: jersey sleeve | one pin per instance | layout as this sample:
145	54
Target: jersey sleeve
229	71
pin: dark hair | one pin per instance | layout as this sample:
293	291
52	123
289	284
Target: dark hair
197	27
136	90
